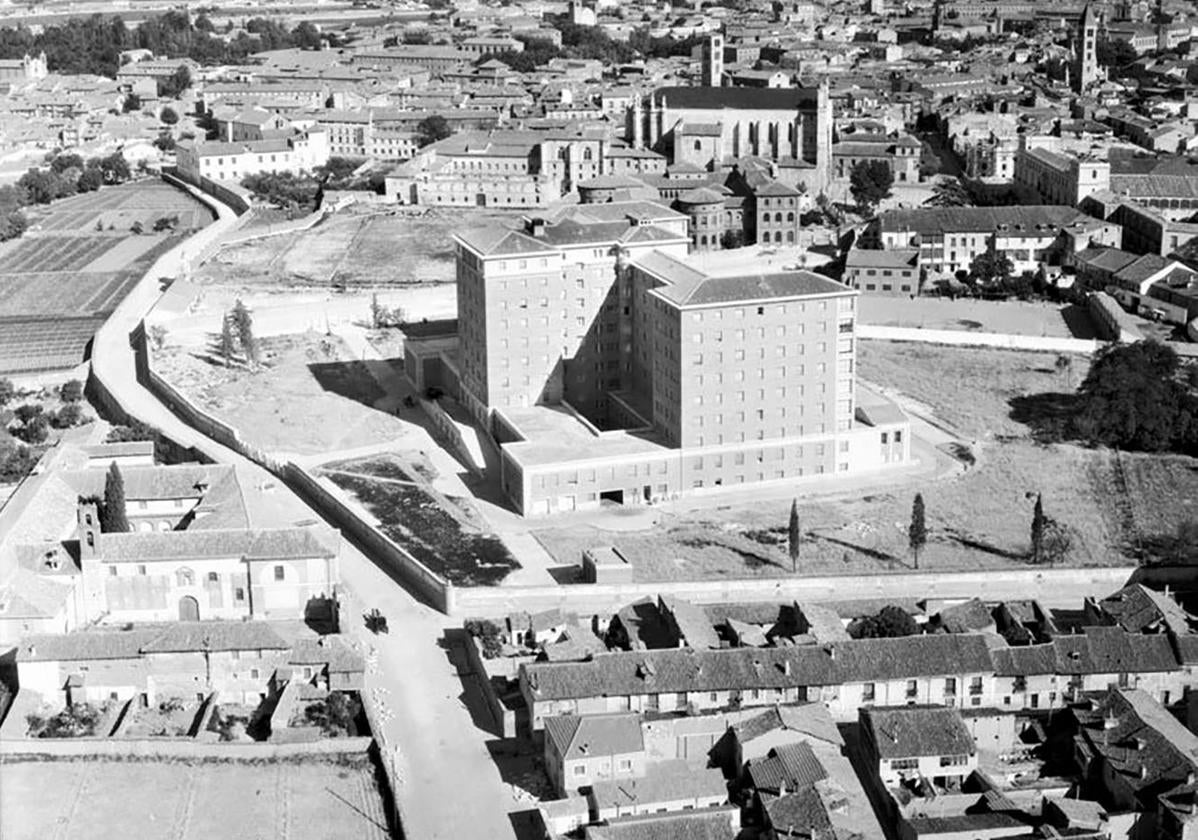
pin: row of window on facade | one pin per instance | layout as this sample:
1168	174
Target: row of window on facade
186	577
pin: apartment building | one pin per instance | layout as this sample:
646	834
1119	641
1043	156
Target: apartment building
779	402
948	239
608	367
894	272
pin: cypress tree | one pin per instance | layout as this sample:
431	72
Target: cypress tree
113	516
917	534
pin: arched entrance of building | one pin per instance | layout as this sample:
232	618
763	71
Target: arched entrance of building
189	609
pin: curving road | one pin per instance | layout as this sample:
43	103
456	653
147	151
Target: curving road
448	787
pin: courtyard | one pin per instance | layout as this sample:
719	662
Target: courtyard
173	800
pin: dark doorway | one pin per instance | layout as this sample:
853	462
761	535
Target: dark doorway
647	491
616	496
189	609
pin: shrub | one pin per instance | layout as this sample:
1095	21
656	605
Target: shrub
16	462
67	416
71	391
489	635
77	721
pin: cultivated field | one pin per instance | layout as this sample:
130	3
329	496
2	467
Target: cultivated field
75	265
1012	317
1111	502
446	534
173	801
360	247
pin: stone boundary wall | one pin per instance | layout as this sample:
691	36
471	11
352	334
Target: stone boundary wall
275	229
1053	587
448	430
123	748
439	592
962	338
503	717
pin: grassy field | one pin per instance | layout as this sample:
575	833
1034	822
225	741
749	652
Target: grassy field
1111	502
359	247
1009	317
309	396
444	533
75	265
172	801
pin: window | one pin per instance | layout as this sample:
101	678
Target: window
868	693
975	685
253	673
904	763
213	577
953	760
624	764
280	573
912	689
141	570
112	571
185	577
950	685
579	770
239	594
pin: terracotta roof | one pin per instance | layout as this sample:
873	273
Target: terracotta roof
579	736
186	636
910	731
674	670
265	544
700	824
790	767
666	782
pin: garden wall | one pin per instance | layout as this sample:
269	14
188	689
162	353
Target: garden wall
238	200
1053	587
979	339
51	748
445	428
439	592
505	718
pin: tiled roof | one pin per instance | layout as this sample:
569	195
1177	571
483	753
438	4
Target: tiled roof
934	220
742	99
327	650
265	544
800	814
665	782
184	481
187	636
1025	660
1137	608
965	617
909	731
863	660
686	286
790	767
701	824
578	736
1111	650
894	258
1145	745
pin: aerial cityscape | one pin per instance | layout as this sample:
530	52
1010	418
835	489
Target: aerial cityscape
599	419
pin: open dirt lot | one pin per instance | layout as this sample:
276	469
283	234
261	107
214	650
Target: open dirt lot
173	801
981	519
358	247
1012	317
310	394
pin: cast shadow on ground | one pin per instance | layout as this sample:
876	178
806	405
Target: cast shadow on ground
1050	416
351	380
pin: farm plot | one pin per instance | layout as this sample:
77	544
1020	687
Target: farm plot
449	542
59	253
47	344
166	800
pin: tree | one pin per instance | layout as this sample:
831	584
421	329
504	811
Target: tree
25	413
61	163
114	518
175	83
870	182
243	324
168	116
90	180
949	192
917	532
889	622
132	103
990	269
12	225
114	168
67	416
731	239
228	344
1132	399
489	635
71	391
1056	543
432	128
7	391
1115	53
1064	366
1039	523
376	311
33	430
793	536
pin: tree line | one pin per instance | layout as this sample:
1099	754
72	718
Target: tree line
64	175
593	43
92	45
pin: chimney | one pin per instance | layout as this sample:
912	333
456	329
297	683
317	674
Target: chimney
536	227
